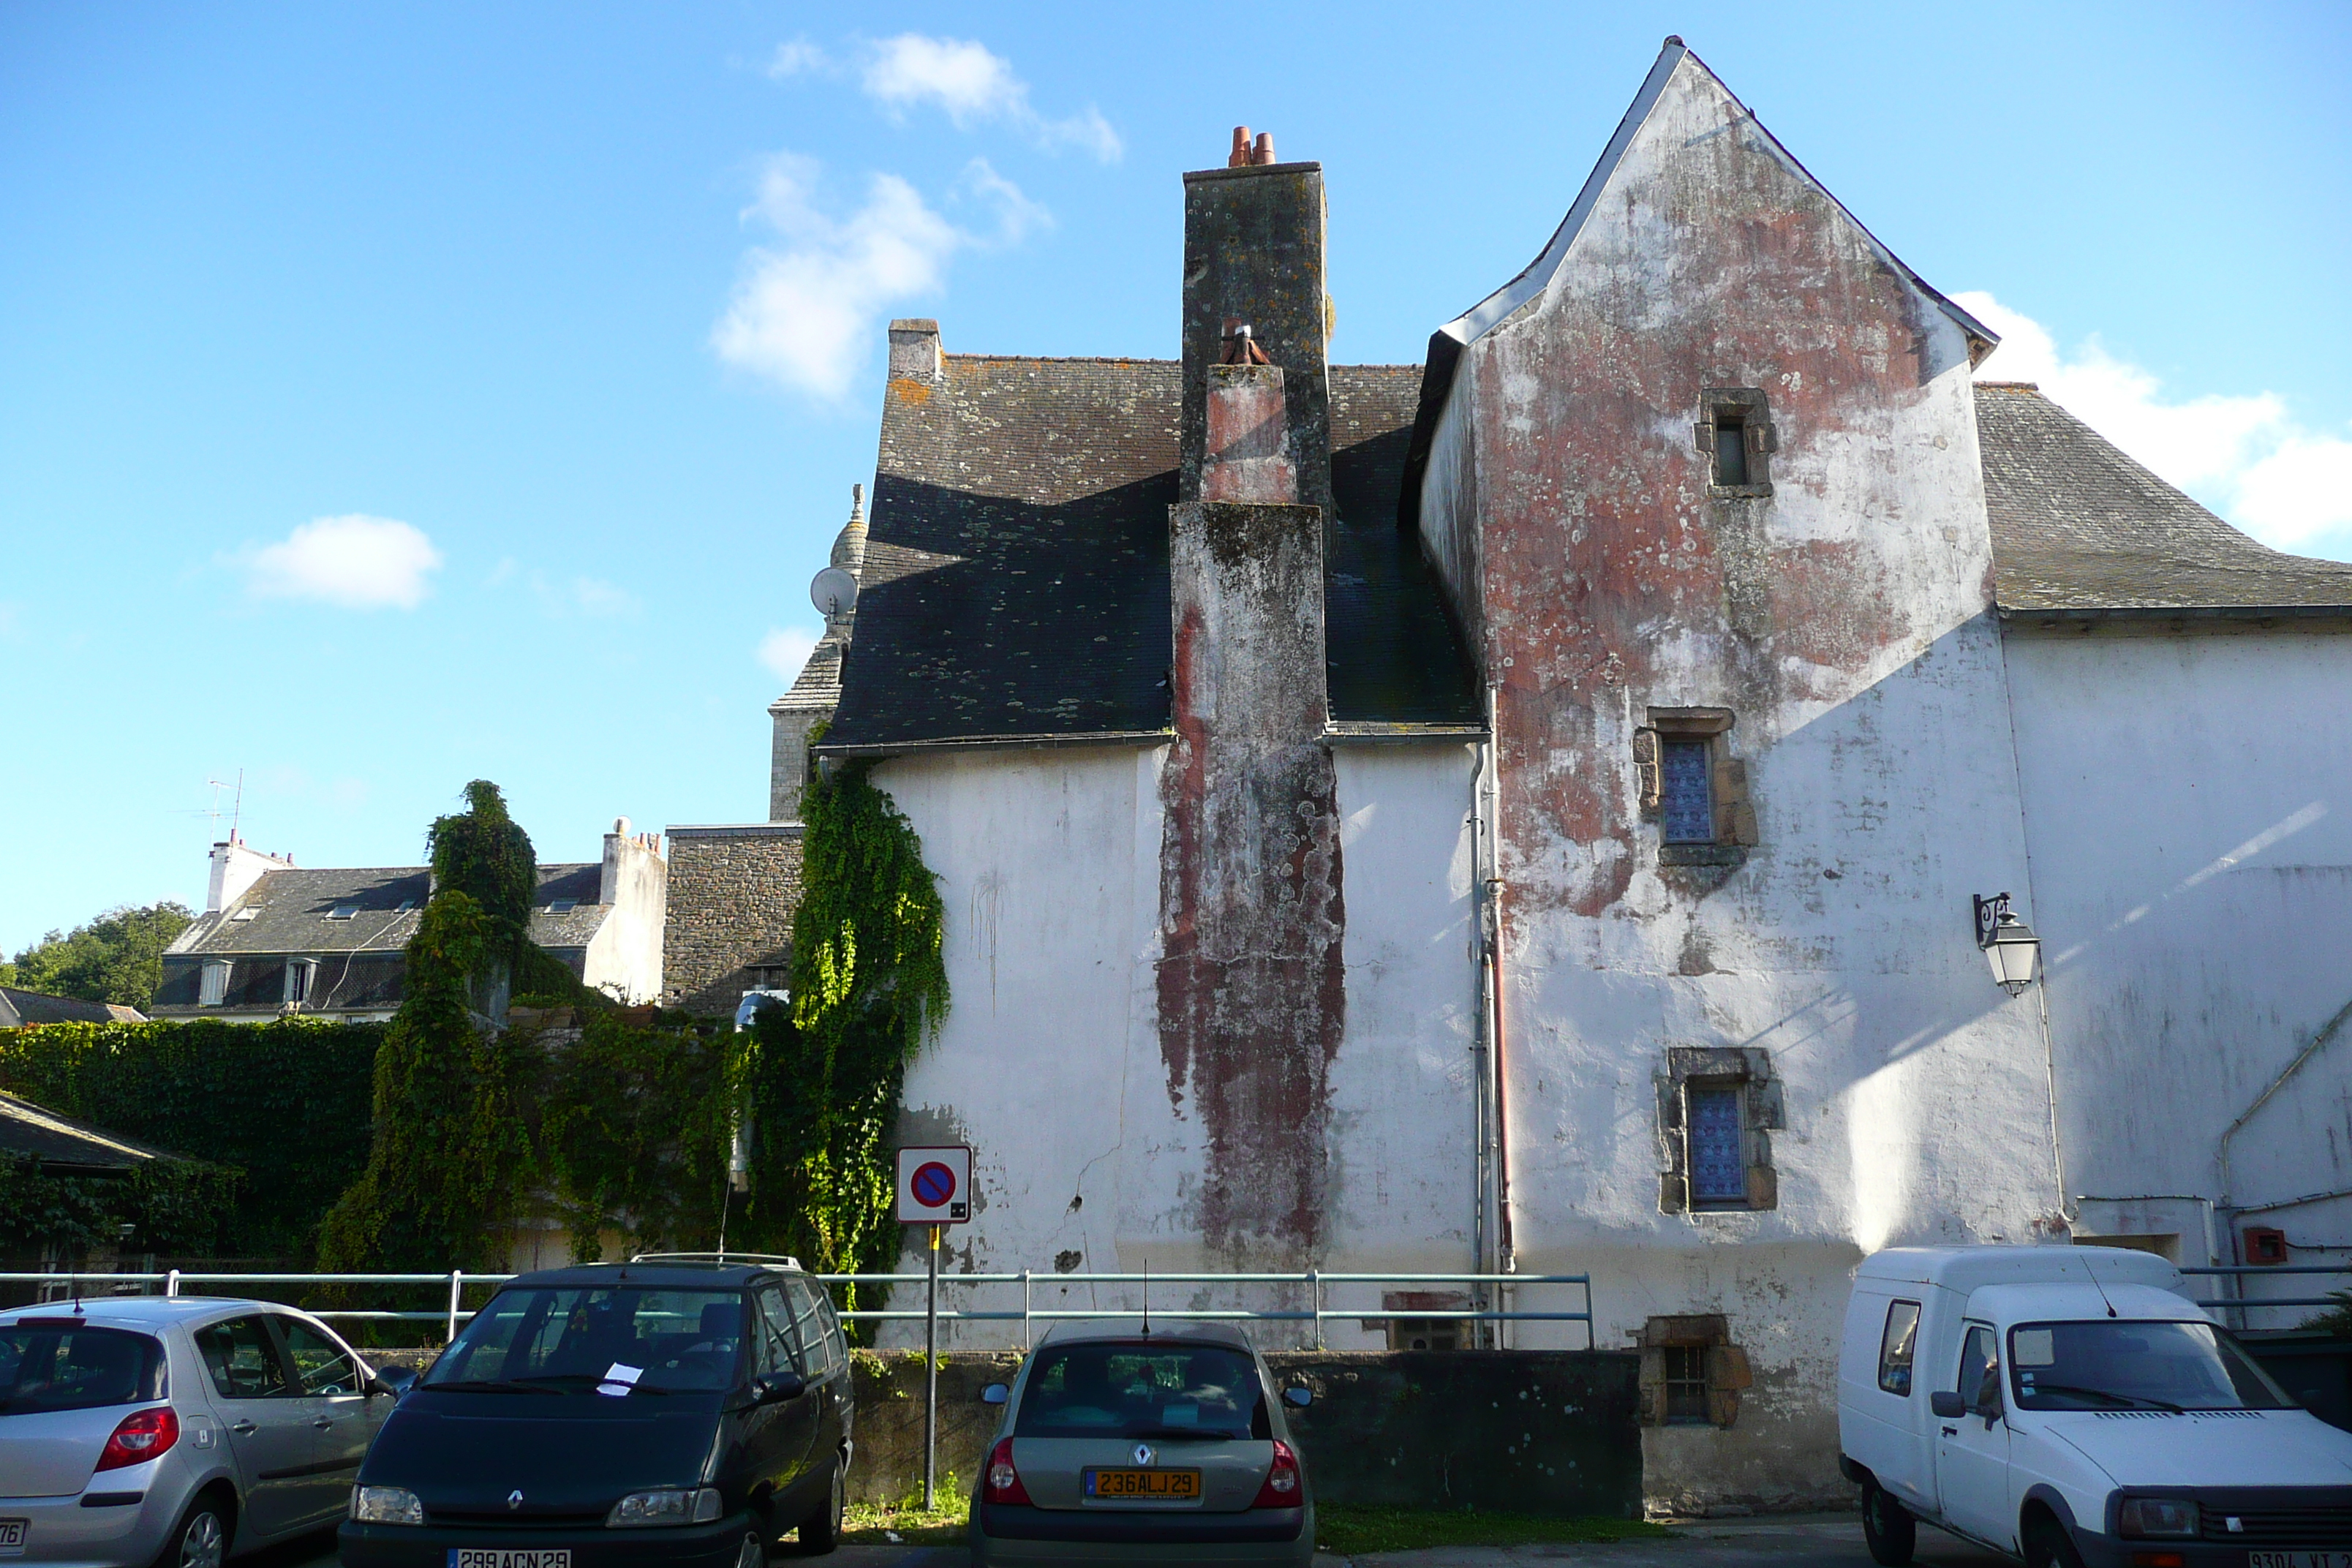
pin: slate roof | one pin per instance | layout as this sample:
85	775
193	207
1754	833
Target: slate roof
1015	582
291	909
2079	528
60	1145
20	1008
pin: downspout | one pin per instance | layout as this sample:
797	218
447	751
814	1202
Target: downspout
2221	1154
1507	1258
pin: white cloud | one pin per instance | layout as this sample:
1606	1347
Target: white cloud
971	84
785	650
798	58
589	596
805	311
358	561
2247	456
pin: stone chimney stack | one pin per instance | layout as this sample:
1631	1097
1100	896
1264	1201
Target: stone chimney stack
915	349
1253	255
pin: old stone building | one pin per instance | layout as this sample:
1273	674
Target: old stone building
1525	812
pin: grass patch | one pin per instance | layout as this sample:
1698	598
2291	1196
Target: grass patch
1349	1530
874	1523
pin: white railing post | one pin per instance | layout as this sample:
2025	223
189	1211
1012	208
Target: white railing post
1026	1344
456	1285
1315	1296
172	1283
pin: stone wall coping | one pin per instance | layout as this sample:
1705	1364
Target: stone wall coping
741	830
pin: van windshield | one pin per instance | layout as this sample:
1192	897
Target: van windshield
2122	1364
1167	1391
620	1342
52	1364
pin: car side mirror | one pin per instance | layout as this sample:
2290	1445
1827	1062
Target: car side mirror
392	1379
995	1393
1948	1403
1299	1398
778	1388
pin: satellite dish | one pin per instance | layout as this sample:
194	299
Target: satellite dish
834	592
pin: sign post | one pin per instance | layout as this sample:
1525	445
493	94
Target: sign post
934	1190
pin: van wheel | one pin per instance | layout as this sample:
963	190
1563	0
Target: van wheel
202	1538
821	1531
1888	1529
2047	1545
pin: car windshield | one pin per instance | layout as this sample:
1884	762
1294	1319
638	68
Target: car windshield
2121	1364
624	1342
52	1365
1136	1390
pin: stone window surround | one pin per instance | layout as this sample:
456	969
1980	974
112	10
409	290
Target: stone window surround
1749	1069
1734	814
1763	438
1728	1370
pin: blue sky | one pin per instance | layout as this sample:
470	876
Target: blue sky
396	395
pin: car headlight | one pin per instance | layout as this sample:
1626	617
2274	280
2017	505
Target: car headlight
664	1505
2157	1517
386	1505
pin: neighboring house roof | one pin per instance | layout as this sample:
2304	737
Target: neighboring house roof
62	1146
293	911
2078	528
1016	580
21	1008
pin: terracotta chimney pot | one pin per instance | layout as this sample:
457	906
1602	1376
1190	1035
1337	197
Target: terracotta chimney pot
1263	152
1240	156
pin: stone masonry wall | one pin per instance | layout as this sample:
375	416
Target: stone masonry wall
732	894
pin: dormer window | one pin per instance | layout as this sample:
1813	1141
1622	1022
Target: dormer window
1735	433
212	987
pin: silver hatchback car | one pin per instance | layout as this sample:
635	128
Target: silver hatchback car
174	1431
1132	1442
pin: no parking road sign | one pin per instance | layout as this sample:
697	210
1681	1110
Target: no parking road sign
935	1186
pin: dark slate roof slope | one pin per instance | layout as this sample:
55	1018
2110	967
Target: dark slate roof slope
22	1008
292	911
1016	585
61	1146
2078	527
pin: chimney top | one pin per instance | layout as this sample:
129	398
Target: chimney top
915	349
1245	153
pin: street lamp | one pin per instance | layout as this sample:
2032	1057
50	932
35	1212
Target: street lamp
2009	944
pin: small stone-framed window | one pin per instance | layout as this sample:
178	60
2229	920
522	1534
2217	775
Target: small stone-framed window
1717	1108
1691	1374
1692	787
1736	438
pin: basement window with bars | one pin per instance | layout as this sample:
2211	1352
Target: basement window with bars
1686	1385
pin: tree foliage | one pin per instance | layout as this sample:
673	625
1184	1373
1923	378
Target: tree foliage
484	853
868	989
285	1102
451	1151
635	1131
118	957
174	1207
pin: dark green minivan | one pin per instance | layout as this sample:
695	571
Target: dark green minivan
662	1411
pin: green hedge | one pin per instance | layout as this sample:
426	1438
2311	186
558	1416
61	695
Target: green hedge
285	1103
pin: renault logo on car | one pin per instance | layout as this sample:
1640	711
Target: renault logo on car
1143	1454
514	1497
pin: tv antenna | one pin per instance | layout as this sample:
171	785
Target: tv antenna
237	811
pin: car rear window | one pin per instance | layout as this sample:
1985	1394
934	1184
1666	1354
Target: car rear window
583	1340
1111	1389
66	1365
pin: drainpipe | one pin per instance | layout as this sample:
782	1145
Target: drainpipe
1505	1253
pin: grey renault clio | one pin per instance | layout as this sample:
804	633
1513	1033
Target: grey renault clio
1128	1441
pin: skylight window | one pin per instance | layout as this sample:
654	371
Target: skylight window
404	906
561	906
342	911
244	914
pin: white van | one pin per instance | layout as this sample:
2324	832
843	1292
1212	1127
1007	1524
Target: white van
2071	1406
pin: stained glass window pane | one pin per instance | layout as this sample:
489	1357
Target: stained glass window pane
1718	1174
1689	794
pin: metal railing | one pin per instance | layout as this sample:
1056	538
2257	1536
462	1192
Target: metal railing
2242	1303
1315	1283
